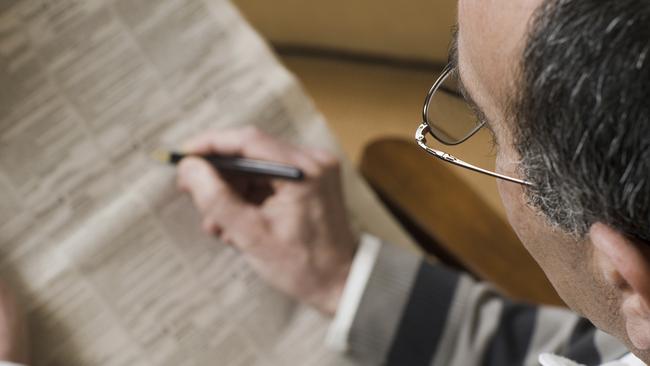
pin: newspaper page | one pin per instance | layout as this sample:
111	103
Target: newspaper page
104	251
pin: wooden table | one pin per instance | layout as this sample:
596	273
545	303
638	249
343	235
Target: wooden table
450	221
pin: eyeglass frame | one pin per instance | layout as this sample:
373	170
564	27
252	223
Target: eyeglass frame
424	128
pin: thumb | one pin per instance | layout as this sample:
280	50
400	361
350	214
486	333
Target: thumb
206	187
218	203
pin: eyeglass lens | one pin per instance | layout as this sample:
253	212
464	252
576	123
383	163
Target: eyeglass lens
450	119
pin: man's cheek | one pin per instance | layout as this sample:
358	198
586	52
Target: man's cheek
511	196
520	215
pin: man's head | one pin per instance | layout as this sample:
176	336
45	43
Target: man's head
564	85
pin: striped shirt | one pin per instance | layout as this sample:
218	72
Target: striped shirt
398	309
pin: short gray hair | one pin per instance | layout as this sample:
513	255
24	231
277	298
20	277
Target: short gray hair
582	114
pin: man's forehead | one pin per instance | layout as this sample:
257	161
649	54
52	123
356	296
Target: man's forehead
490	43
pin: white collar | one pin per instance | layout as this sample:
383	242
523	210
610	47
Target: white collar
547	359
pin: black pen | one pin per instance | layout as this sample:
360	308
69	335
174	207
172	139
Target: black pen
237	165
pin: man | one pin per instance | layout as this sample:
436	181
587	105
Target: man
563	86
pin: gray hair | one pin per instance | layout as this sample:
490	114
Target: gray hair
582	114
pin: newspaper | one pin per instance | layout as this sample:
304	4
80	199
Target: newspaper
104	251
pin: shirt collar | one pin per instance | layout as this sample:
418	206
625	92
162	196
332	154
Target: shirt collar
547	359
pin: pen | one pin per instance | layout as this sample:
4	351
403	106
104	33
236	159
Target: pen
236	165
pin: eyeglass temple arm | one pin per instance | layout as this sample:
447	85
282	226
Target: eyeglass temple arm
421	140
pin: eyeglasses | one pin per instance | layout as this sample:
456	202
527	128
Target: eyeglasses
452	123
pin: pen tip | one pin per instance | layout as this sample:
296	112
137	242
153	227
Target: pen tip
161	156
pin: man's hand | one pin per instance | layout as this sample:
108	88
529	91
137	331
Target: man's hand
13	333
296	235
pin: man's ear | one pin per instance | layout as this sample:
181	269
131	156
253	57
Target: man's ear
625	265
